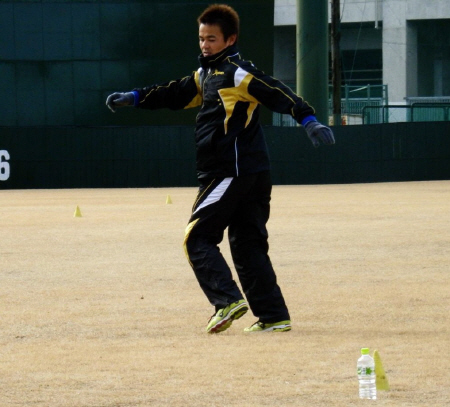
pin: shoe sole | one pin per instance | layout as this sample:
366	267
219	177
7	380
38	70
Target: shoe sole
226	322
280	328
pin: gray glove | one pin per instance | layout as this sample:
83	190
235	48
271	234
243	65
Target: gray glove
118	99
319	134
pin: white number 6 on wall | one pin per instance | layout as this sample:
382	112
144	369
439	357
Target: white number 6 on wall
4	165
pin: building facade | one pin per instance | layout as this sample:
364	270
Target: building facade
404	44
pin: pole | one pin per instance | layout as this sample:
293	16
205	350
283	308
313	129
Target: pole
336	60
312	55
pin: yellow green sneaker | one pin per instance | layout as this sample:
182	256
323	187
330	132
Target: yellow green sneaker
281	326
224	317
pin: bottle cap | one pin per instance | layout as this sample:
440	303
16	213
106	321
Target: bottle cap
364	351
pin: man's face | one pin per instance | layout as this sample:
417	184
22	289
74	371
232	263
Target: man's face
211	39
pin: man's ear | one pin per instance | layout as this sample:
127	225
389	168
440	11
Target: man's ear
231	39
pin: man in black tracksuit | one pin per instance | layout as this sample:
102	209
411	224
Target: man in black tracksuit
233	170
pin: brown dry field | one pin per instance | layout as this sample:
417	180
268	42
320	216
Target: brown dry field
104	311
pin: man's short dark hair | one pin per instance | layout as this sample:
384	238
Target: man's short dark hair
222	15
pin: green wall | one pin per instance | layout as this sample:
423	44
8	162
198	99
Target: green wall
366	153
157	156
60	59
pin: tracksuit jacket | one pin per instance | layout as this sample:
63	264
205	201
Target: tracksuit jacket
229	138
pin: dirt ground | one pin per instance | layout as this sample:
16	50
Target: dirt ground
103	310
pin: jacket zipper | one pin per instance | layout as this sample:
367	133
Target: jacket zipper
208	75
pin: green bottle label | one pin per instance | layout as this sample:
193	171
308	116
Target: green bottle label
365	371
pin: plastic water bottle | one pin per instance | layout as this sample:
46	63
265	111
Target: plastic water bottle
366	376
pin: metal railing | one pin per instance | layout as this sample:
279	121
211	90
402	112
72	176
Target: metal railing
416	112
354	100
411	100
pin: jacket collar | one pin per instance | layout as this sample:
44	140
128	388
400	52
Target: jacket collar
214	60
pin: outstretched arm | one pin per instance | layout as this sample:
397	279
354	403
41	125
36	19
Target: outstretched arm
278	97
177	94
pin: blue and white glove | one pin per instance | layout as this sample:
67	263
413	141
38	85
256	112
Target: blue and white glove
318	133
119	99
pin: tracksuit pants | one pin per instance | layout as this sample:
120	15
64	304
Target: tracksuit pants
243	205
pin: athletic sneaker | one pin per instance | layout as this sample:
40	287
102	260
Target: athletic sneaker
282	326
224	317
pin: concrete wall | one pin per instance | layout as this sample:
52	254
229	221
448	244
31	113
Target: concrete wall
400	22
356	11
